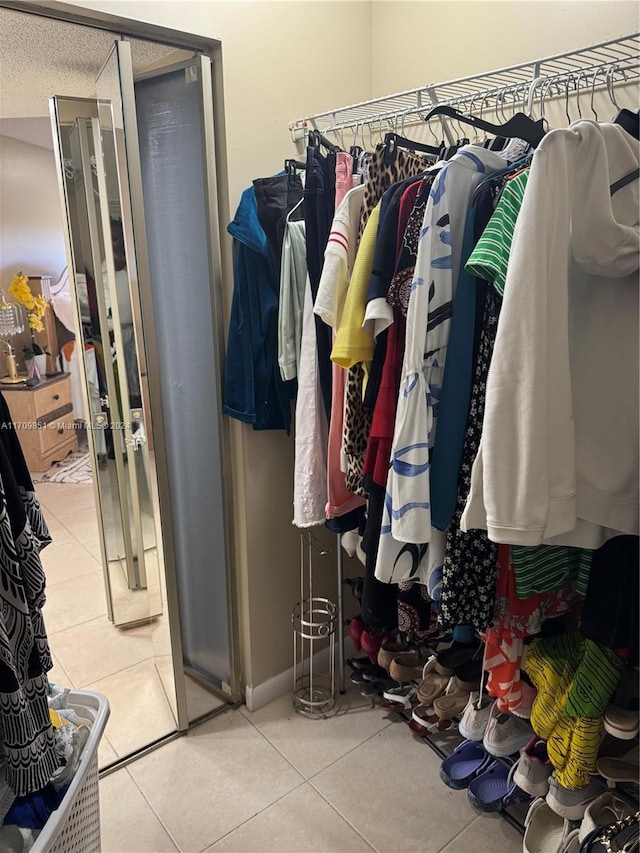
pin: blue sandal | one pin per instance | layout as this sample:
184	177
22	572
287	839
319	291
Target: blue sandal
494	788
464	763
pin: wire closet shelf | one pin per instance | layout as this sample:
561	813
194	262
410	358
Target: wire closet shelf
609	63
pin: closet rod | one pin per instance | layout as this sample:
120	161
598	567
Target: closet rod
621	53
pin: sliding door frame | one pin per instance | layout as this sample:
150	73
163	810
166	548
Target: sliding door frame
220	259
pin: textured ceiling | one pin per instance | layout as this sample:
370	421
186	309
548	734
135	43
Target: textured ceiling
41	57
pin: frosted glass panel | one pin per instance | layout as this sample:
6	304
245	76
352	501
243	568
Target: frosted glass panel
169	115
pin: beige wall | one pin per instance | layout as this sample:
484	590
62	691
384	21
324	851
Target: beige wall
31	237
274	72
471	36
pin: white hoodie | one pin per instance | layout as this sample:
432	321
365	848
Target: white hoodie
558	460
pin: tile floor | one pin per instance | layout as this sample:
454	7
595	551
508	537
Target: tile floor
132	667
264	781
275	781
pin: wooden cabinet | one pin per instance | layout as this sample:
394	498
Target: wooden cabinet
43	416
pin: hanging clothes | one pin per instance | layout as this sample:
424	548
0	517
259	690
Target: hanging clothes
293	278
275	197
574	332
311	434
28	742
329	304
319	208
468	589
406	517
254	391
381	174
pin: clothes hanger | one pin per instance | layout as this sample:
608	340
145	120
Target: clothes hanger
628	120
520	125
317	139
393	141
293	166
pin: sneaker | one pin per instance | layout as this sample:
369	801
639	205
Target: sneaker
474	717
529	693
534	769
505	734
544	829
604	810
572	805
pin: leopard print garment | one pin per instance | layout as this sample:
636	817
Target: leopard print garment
380	176
355	432
357	419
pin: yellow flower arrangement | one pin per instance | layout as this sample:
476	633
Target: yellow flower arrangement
36	307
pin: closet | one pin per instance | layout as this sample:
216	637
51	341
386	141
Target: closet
442	305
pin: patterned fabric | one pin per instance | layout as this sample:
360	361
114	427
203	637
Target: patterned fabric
469	570
414	609
25	727
380	176
490	258
428	326
516	619
400	288
357	425
544	568
357	420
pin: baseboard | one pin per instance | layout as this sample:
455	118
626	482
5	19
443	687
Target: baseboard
259	695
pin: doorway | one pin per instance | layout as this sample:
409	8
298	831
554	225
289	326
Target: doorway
172	661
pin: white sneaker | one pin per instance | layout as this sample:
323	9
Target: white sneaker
505	734
533	770
544	830
474	719
605	809
572	804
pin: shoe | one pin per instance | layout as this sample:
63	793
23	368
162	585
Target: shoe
544	830
529	693
623	769
358	663
534	769
571	843
621	723
401	696
389	651
505	734
457	694
464	763
356	628
368	673
432	685
371	643
621	716
475	716
408	667
450	659
495	788
424	721
604	810
572	804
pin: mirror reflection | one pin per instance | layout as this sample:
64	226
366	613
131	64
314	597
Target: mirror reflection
120	435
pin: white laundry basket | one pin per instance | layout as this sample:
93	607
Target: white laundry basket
74	827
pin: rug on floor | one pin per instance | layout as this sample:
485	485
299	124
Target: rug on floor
76	468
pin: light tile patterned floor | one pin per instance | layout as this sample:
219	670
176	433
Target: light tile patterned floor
274	781
245	782
130	666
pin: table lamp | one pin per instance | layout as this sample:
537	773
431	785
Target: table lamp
11	323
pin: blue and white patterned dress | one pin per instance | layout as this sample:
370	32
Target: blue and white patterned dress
410	549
